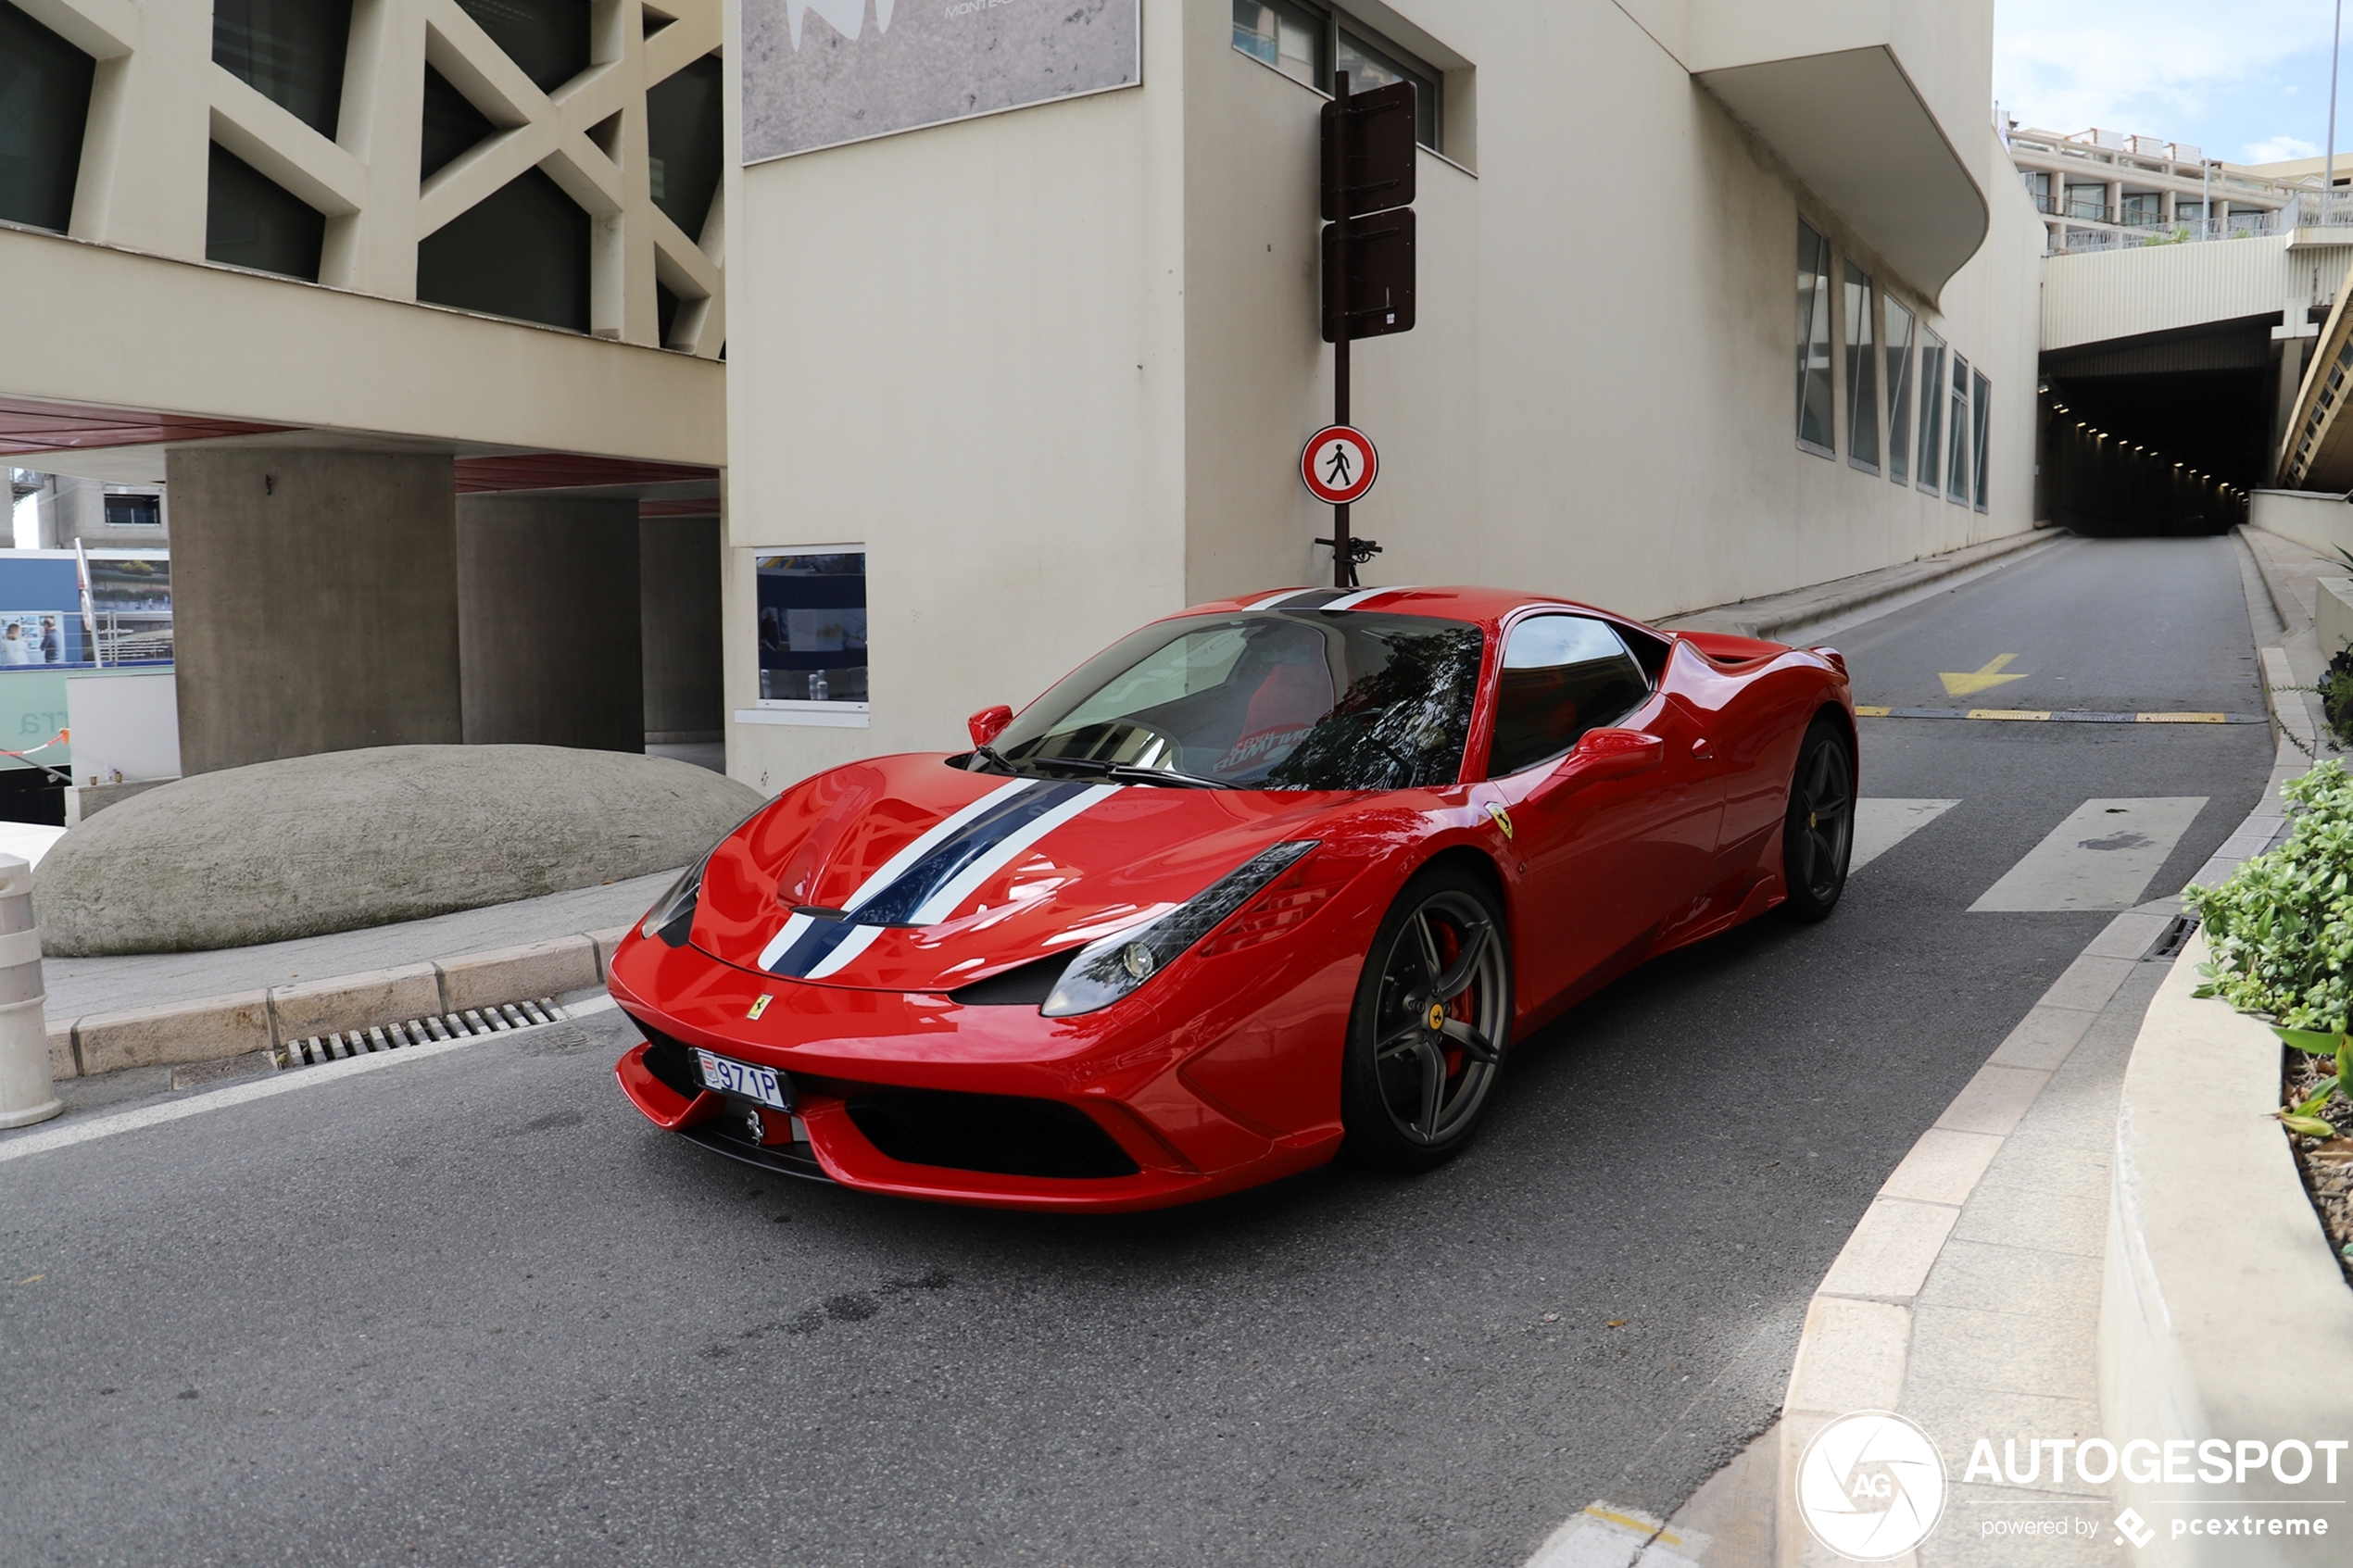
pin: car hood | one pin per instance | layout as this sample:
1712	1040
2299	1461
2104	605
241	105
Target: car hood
949	877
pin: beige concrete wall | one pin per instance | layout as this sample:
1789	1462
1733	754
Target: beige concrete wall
962	348
90	323
2322	523
2102	294
1053	368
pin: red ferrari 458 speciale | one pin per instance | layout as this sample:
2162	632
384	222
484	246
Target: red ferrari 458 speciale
1266	882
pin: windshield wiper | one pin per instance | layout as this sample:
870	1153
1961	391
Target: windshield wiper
1127	772
991	754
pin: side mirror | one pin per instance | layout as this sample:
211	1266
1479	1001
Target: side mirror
1615	754
988	724
1603	754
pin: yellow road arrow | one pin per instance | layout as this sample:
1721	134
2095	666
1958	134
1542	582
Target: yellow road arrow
1977	680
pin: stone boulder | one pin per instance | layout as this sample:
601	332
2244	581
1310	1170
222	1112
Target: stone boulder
310	845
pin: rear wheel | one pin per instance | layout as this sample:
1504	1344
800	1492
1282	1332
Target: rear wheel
1431	1022
1819	834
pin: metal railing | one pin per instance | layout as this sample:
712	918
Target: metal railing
2238	226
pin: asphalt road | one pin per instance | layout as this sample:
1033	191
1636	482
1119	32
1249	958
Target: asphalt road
472	1309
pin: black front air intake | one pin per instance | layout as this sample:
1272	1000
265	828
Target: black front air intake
998	1134
669	1060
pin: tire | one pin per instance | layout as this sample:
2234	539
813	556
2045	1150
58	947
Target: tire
1817	835
1412	1097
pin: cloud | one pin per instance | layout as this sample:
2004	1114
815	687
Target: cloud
2064	64
2279	149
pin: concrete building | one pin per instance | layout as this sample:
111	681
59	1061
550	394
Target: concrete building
2099	190
412	304
69	511
351	283
1046	373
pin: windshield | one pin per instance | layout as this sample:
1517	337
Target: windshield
1270	700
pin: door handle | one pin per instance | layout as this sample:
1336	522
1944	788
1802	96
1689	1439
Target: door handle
1702	751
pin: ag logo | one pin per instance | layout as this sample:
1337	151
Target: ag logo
1871	1486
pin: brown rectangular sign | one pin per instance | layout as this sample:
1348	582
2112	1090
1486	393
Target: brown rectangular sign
1380	268
1380	172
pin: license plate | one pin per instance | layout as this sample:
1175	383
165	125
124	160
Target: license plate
763	1084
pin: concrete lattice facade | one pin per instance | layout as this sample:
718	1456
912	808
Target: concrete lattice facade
159	102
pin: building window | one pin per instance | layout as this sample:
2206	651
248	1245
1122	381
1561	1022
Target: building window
1813	340
682	143
452	126
1862	373
1957	468
521	252
134	511
44	103
812	629
1982	392
2143	209
289	51
1932	411
1291	38
250	220
1308	45
2038	186
547	38
1899	391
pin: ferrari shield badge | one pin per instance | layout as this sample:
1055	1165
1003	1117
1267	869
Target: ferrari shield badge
1502	819
761	1006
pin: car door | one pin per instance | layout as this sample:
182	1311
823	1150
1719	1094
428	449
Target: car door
1607	859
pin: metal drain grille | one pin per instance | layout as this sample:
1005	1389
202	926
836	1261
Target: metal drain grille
2170	941
504	1018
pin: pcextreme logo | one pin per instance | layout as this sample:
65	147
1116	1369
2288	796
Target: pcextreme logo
1871	1486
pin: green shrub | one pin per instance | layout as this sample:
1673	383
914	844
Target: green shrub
2280	929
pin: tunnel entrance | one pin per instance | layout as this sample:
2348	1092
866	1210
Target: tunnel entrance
2164	434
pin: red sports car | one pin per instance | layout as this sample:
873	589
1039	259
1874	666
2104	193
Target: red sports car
1266	882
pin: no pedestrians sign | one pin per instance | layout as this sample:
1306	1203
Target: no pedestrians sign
1337	465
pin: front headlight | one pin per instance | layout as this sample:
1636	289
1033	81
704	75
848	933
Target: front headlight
1110	969
672	915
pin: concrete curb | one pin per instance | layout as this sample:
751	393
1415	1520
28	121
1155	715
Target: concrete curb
1765	618
1855	1345
211	1027
2220	1290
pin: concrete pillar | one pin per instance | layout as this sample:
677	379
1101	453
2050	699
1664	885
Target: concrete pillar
547	622
678	560
314	602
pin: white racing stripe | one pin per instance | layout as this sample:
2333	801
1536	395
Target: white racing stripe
942	904
1271	600
938	834
1352	600
261	1088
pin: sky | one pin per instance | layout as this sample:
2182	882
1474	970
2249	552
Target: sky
2246	81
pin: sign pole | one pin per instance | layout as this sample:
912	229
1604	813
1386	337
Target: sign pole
1343	565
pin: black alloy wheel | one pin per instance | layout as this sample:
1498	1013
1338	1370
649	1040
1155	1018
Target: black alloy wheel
1818	836
1432	1021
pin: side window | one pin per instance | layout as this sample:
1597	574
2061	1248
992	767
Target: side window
1563	675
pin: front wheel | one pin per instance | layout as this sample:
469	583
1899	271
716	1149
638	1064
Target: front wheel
1818	836
1432	1019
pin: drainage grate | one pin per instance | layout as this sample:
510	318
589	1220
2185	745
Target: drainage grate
2170	941
503	1018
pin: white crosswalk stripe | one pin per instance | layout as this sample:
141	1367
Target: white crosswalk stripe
2101	857
1882	824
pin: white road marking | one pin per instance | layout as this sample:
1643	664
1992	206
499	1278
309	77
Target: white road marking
261	1088
1881	825
2101	858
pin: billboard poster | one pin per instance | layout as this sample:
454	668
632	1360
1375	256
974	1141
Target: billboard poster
818	73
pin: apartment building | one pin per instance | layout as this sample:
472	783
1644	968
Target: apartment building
2098	188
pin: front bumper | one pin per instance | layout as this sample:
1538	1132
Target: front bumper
904	1093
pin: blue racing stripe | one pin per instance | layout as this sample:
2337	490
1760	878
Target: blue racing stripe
895	904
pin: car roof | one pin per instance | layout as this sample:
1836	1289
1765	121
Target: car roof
1458	602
